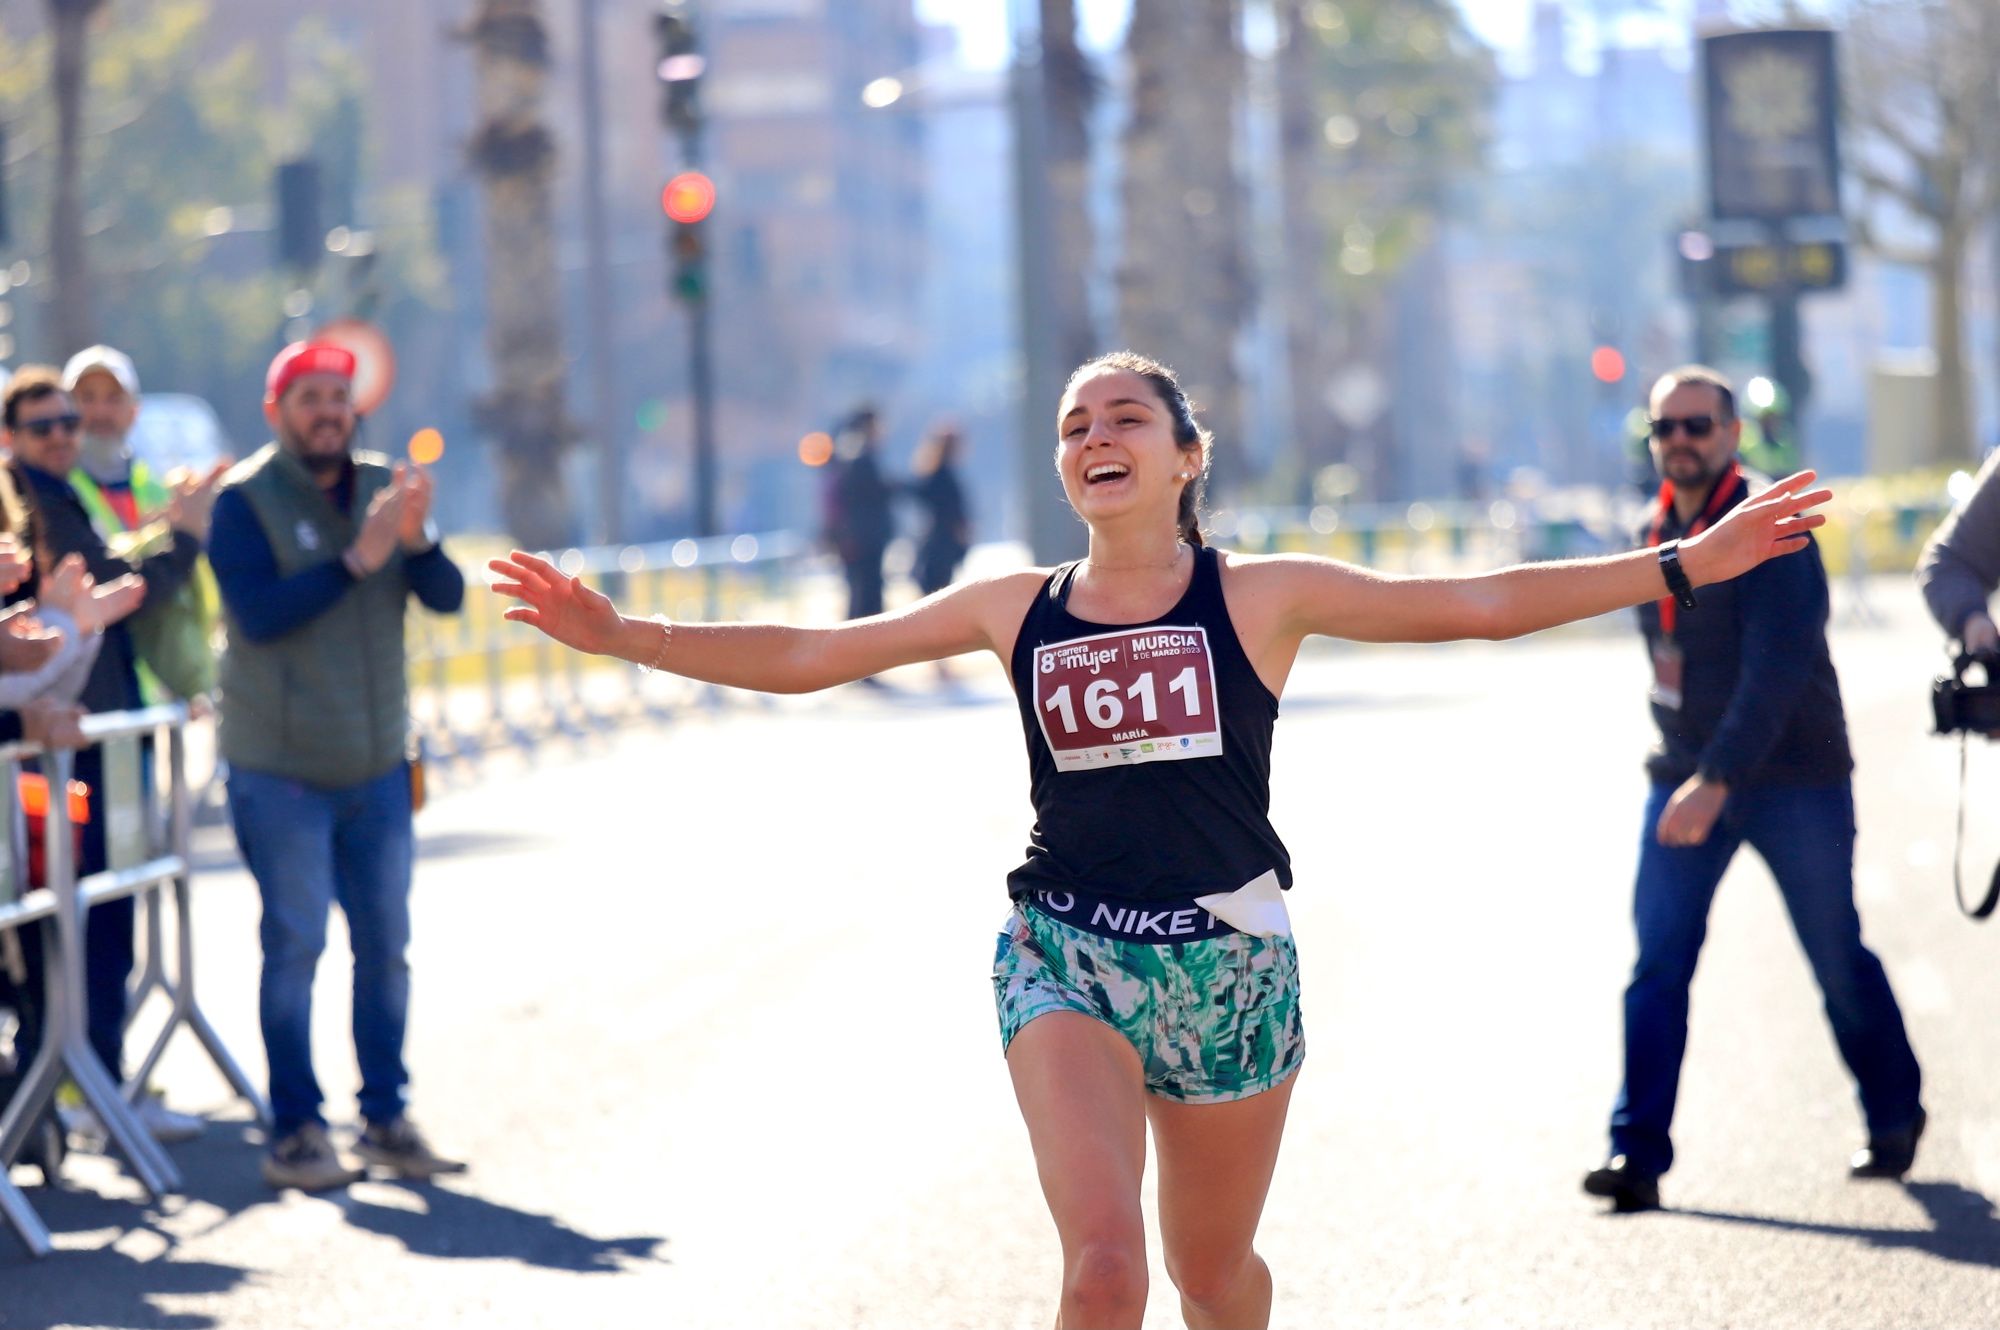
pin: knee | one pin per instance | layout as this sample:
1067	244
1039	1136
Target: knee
289	948
1105	1282
1209	1278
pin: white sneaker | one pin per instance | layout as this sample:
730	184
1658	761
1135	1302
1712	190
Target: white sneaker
87	1131
166	1126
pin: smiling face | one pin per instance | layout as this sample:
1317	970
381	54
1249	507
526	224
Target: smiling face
1116	452
314	421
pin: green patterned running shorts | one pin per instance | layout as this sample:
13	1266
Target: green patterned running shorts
1212	1020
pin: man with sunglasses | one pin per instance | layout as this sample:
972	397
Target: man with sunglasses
43	432
1753	748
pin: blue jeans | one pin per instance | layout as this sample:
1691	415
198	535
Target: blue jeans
1805	835
309	847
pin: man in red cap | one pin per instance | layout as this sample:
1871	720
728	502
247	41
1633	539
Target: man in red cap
317	549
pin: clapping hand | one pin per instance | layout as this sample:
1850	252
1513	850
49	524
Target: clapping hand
26	643
52	724
381	527
561	606
16	563
414	532
193	499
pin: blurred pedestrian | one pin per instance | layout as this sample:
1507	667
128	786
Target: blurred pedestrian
317	549
174	633
42	428
1961	565
1146	973
1753	748
940	495
857	519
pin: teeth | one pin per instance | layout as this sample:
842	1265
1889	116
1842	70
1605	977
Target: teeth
1103	469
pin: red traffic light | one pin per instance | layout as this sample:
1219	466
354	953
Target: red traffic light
1607	364
688	197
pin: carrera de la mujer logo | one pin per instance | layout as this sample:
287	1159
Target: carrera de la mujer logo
1127	697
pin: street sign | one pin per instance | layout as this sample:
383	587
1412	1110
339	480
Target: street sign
1769	101
1761	268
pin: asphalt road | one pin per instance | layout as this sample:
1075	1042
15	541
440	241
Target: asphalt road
707	1007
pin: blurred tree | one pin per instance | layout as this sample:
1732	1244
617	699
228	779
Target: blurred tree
1922	103
69	22
514	155
1383	105
1183	281
173	170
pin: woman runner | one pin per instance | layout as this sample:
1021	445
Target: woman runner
1146	974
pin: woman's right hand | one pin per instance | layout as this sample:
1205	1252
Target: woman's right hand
559	605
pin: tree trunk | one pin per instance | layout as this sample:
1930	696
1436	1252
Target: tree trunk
1184	288
1311	338
513	155
70	295
1070	89
1955	433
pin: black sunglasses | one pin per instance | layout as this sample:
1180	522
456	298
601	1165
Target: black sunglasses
1697	427
48	425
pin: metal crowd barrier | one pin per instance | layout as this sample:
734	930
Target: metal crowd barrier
480	684
148	853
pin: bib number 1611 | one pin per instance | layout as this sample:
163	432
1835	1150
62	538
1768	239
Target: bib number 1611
1105	706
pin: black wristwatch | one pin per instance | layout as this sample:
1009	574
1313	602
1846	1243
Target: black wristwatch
1677	578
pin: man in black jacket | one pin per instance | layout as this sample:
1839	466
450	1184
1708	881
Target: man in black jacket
42	432
1753	747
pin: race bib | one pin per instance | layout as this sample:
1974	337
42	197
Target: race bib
1136	695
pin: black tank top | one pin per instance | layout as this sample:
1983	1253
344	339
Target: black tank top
1149	749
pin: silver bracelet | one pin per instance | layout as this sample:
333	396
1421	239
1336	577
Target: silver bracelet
666	640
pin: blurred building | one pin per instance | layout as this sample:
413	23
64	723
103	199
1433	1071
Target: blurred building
819	252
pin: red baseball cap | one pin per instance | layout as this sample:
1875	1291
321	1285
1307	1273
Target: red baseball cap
303	358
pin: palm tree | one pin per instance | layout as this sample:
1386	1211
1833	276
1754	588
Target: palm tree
514	156
1069	89
70	301
1183	284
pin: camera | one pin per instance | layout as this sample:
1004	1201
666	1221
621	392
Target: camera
1957	705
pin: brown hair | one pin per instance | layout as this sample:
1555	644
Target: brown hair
1189	433
31	383
1697	374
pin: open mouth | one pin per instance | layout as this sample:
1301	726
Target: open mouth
1105	472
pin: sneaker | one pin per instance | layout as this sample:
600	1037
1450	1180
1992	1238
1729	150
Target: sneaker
307	1160
166	1126
87	1133
1629	1189
1889	1156
399	1146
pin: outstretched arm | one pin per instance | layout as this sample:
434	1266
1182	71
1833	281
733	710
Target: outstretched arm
1339	600
769	657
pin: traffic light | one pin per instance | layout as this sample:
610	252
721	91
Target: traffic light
1607	364
301	242
680	67
687	200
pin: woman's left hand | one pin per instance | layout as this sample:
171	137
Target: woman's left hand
1766	526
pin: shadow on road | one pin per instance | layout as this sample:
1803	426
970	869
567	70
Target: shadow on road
1963	1227
109	1286
455	1225
106	1288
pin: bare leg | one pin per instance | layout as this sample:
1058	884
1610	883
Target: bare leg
1216	1162
1083	1096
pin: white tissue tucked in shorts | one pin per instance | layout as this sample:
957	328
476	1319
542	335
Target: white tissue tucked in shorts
1257	907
